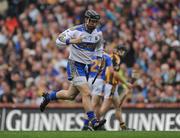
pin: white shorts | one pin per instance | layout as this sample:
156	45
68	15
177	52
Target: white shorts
79	80
107	91
97	88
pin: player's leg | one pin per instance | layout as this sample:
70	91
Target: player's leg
117	102
96	104
106	104
118	114
80	81
69	94
63	94
123	96
95	99
86	99
97	93
118	111
96	107
86	125
85	93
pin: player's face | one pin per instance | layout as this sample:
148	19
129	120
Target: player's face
91	24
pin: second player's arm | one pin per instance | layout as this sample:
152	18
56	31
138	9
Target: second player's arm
122	80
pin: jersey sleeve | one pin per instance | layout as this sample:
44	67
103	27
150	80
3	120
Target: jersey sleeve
108	61
64	37
108	72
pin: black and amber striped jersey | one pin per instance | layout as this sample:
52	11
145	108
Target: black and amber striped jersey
111	75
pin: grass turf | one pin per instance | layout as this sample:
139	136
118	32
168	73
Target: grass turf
87	134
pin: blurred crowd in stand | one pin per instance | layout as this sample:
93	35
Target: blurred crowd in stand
30	63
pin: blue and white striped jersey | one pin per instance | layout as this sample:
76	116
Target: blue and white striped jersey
92	45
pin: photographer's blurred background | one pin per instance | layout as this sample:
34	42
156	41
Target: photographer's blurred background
31	63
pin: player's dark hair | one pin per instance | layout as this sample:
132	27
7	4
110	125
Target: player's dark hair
92	15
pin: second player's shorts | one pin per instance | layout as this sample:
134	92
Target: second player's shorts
108	90
98	87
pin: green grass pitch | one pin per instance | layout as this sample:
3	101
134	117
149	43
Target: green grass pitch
88	134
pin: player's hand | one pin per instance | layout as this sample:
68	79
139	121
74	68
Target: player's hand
91	39
76	40
129	85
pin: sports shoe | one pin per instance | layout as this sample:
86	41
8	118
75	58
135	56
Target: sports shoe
128	129
45	101
87	128
102	128
99	124
125	128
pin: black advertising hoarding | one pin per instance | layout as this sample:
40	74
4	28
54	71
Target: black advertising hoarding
33	119
71	119
147	119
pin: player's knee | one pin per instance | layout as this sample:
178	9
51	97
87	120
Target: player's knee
72	97
86	93
127	92
84	90
94	106
117	110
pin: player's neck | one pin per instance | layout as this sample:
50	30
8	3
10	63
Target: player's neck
88	30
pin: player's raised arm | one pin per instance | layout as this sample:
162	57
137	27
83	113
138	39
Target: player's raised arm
67	37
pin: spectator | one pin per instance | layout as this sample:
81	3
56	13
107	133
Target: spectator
149	29
169	95
6	96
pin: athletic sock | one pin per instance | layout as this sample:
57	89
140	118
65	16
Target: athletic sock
52	96
91	117
86	122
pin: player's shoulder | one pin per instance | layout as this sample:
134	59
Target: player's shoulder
77	27
98	31
106	55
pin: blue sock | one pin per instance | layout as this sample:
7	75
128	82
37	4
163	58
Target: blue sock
52	96
91	117
86	122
